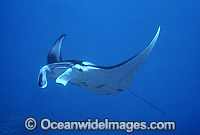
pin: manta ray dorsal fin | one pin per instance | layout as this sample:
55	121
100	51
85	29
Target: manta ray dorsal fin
54	55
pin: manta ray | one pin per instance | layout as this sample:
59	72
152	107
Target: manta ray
98	79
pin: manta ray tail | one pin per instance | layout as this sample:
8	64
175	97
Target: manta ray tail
149	103
54	55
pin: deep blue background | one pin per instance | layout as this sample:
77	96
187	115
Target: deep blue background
104	32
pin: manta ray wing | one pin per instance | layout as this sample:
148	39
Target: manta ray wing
112	80
55	52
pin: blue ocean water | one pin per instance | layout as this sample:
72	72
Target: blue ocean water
104	32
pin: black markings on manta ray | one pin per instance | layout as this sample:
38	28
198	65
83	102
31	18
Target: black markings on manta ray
99	79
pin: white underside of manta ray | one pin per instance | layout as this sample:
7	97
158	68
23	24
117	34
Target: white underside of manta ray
101	80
